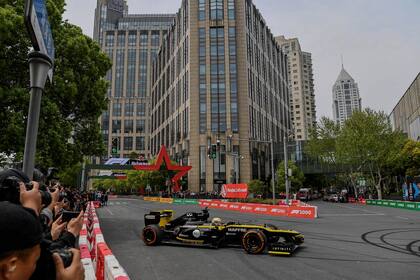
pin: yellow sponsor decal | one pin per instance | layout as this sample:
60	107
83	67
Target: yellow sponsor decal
151	198
278	253
192	241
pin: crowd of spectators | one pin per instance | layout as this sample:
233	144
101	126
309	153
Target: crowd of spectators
40	222
188	194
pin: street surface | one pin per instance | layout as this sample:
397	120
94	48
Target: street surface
347	241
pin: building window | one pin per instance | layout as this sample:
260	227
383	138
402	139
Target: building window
140	143
119	73
121	39
116	109
216	9
202	10
128	126
131	73
231	9
132	37
116	126
144	39
233	80
155	38
217	80
128	143
141	109
109	41
129	109
140	126
142	82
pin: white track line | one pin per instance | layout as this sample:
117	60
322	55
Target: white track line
351	215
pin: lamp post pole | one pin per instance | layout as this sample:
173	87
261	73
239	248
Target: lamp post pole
286	175
272	171
39	65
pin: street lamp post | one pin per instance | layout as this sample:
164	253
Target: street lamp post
286	176
272	170
39	65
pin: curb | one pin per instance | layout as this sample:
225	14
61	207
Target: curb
98	261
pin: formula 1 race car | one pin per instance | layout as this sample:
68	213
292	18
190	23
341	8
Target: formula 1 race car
194	229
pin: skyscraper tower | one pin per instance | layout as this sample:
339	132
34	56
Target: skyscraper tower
346	97
131	41
302	93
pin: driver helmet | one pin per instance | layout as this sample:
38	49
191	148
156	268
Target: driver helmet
216	221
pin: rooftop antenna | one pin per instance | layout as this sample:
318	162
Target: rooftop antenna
342	63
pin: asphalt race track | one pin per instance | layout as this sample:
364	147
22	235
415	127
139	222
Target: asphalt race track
346	242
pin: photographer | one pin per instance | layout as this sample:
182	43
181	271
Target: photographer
50	249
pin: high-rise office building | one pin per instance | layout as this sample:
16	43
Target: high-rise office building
406	114
346	97
302	94
131	41
220	78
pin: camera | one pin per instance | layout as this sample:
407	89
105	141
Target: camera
65	254
10	187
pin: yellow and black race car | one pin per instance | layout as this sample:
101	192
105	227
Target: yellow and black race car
194	229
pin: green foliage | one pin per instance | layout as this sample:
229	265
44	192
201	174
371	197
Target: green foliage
322	142
367	141
408	159
256	187
70	106
296	180
69	176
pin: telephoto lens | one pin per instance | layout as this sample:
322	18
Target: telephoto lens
65	254
10	187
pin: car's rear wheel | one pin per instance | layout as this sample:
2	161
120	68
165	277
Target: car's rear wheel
152	235
254	241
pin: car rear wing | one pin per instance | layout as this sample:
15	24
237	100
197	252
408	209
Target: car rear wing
160	218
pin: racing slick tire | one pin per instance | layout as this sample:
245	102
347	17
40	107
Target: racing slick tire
152	235
254	241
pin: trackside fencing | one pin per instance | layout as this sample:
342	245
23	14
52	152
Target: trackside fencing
97	258
297	209
395	204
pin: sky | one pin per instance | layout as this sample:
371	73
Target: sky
379	40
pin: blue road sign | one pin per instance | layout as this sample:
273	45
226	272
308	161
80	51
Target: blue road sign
36	19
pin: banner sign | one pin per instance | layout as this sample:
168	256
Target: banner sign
395	204
165	200
185	201
234	191
265	209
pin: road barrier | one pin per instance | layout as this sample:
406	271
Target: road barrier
395	203
97	258
185	201
309	212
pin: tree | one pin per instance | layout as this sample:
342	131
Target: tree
71	105
256	187
322	142
367	142
407	161
296	180
69	176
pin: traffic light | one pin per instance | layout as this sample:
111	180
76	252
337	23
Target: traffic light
213	151
115	145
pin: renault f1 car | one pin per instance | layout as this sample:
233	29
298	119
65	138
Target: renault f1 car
194	229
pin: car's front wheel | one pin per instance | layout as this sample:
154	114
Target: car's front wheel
152	235
254	241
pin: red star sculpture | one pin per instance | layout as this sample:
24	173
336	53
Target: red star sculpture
163	156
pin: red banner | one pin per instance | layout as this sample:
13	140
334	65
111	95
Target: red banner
234	191
265	209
